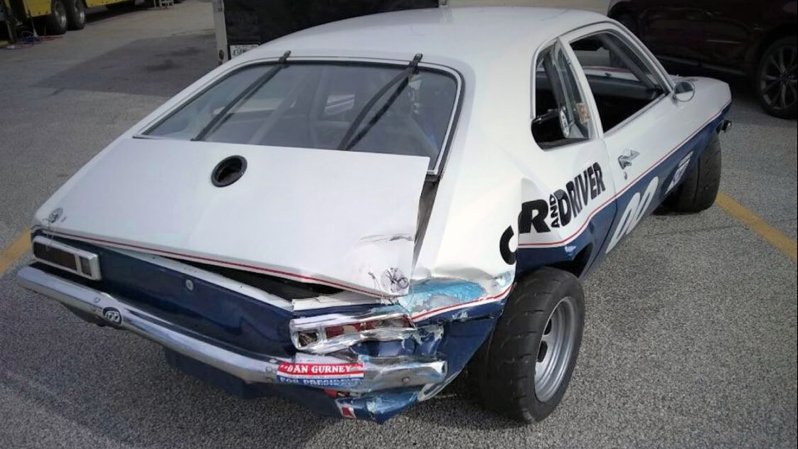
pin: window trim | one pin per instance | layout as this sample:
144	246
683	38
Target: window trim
578	73
434	172
642	52
631	40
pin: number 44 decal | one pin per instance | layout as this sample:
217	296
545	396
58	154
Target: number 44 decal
638	206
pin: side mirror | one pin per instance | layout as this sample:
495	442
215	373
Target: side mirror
684	91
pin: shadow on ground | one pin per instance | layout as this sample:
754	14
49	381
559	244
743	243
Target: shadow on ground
158	67
121	390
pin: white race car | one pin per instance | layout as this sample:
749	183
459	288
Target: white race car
352	215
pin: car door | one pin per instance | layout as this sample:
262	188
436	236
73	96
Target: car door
567	196
644	129
729	29
673	28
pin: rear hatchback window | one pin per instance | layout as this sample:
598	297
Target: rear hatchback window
317	105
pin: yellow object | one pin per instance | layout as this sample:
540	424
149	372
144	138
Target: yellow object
40	8
17	249
34	8
776	238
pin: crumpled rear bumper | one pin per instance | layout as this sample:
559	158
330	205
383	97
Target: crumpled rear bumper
323	372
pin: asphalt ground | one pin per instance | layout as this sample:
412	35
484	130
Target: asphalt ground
690	339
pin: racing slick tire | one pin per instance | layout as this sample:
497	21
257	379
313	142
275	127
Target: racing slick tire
76	14
523	369
776	79
700	187
56	23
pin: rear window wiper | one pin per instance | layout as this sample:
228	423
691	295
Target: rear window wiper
402	79
243	96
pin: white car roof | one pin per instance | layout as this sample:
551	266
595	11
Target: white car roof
491	47
468	34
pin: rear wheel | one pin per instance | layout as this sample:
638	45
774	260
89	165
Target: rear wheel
76	14
776	79
524	368
56	22
701	183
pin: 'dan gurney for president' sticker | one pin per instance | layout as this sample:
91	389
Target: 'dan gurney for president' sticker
321	374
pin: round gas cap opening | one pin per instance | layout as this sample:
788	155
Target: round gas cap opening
229	171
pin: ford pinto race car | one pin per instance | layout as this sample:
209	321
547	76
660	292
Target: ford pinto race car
353	215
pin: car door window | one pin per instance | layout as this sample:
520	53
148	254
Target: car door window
621	82
561	115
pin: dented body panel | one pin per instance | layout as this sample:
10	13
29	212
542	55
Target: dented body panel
171	209
360	283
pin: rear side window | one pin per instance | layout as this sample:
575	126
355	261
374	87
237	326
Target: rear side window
315	105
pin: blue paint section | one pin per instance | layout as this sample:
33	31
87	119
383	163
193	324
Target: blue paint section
461	340
531	258
377	408
215	314
603	225
247	326
425	345
429	295
664	172
443	300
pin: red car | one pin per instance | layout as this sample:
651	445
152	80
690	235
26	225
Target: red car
751	38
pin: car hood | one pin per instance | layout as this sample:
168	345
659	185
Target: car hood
343	219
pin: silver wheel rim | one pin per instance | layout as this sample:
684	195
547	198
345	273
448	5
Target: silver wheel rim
60	12
555	349
778	78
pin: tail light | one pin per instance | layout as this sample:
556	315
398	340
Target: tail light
67	258
329	333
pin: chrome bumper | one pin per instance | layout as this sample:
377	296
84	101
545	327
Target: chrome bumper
116	313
